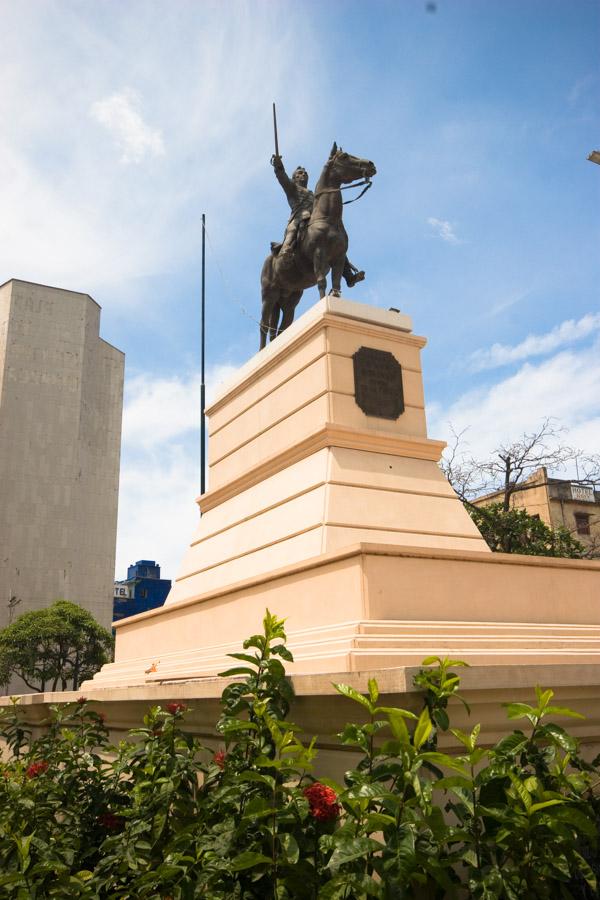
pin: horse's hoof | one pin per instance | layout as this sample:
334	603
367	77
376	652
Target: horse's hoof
334	293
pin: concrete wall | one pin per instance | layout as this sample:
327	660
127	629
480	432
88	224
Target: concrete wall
61	393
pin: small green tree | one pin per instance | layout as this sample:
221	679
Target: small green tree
55	648
516	531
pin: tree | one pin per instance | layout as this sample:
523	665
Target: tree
516	531
52	647
505	474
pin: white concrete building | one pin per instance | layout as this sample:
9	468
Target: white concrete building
61	399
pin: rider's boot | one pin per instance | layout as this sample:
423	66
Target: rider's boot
352	275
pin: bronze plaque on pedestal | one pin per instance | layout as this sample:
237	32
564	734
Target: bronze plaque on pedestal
378	383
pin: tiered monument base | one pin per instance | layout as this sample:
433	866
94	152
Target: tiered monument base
327	505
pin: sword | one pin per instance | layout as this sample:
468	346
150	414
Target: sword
275	130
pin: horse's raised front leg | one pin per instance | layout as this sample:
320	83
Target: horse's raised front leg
321	269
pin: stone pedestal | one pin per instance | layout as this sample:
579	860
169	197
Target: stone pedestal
327	505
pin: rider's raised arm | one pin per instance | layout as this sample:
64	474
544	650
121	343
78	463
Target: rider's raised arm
284	180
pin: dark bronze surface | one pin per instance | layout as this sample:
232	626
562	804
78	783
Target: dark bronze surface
315	240
378	383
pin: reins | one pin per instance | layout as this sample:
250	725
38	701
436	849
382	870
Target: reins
367	184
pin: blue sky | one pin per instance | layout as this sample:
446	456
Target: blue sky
125	121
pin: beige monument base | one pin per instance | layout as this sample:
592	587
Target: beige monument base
344	524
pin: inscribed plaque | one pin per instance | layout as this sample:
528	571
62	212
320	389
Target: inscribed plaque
378	383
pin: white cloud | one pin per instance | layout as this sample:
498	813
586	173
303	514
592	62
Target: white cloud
166	408
203	79
535	344
120	114
510	299
160	467
444	230
565	387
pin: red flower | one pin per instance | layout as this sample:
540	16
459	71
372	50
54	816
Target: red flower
36	769
111	822
175	708
219	758
82	700
322	801
102	717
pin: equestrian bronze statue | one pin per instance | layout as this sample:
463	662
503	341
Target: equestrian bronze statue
315	241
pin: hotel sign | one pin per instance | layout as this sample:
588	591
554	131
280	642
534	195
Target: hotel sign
582	493
123	591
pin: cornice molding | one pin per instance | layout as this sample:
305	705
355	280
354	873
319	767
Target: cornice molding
330	435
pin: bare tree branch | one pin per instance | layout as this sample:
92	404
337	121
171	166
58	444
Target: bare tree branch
510	465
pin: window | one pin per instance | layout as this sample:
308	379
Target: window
144	594
582	523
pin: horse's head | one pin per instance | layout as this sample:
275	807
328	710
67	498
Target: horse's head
347	168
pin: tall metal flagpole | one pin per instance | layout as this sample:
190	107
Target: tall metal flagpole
202	387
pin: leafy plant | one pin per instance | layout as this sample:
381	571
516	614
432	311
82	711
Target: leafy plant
160	816
516	531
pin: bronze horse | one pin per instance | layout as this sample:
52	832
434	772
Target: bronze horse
321	247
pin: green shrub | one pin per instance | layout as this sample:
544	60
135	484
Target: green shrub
159	816
517	531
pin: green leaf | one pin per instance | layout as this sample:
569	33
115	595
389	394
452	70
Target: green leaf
84	874
562	711
397	710
441	719
465	795
282	651
586	871
519	710
543	697
348	849
512	744
373	690
405	854
290	848
423	729
248	860
249	775
558	736
238	670
453	781
245	657
256	640
346	691
398	726
442	759
536	807
521	791
465	739
578	819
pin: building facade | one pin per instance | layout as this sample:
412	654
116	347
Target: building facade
61	399
143	589
559	503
